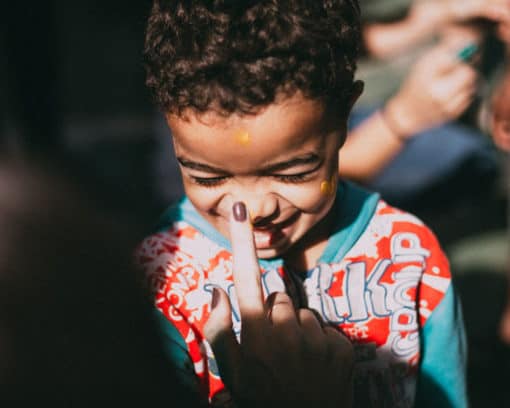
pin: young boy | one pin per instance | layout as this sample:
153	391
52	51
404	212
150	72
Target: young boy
257	95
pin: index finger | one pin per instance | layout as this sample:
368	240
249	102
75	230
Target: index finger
246	267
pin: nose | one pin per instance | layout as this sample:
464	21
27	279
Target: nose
263	207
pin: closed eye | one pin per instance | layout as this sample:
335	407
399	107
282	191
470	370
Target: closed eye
299	177
285	178
292	178
209	181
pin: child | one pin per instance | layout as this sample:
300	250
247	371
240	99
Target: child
257	95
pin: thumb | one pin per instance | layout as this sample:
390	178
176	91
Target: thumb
218	332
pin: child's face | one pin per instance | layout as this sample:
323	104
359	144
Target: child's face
282	162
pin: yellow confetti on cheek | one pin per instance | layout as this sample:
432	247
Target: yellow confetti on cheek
243	137
328	186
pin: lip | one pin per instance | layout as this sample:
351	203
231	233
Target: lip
267	238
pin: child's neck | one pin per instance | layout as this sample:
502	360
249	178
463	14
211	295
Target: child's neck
304	255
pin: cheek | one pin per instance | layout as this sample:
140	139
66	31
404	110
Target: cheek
204	199
314	197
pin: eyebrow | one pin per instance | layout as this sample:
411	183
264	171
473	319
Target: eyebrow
311	158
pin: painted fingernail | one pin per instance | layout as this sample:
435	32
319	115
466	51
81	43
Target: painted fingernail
466	53
215	298
239	211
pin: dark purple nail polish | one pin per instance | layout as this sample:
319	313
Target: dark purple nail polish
239	210
215	298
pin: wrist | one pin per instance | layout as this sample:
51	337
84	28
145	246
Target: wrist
396	121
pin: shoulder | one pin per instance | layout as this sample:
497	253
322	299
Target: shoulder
178	237
179	232
411	251
178	247
397	234
165	251
408	249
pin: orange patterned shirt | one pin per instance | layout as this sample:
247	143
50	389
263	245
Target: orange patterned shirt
383	280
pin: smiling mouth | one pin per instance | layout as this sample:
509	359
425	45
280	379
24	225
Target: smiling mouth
267	238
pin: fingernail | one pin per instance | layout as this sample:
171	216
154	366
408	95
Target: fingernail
239	211
215	298
466	53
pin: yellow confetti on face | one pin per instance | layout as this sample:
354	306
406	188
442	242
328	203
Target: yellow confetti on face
328	186
243	137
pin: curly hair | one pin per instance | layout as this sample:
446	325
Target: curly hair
237	56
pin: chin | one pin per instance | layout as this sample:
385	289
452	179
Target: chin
267	253
273	252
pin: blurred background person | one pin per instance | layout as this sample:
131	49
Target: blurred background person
411	125
500	131
424	99
495	120
499	126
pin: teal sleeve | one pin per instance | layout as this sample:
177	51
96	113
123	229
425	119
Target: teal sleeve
176	351
442	377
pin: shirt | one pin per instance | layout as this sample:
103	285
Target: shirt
382	279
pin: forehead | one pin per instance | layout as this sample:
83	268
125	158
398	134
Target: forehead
295	126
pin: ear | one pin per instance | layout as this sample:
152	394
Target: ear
356	91
352	97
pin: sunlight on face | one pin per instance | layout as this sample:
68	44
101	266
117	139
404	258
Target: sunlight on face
293	147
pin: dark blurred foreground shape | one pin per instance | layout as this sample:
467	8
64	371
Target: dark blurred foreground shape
76	325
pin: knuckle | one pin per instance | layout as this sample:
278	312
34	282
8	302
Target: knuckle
278	300
311	315
305	315
337	337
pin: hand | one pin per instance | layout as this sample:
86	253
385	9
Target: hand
286	357
457	11
437	90
462	10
